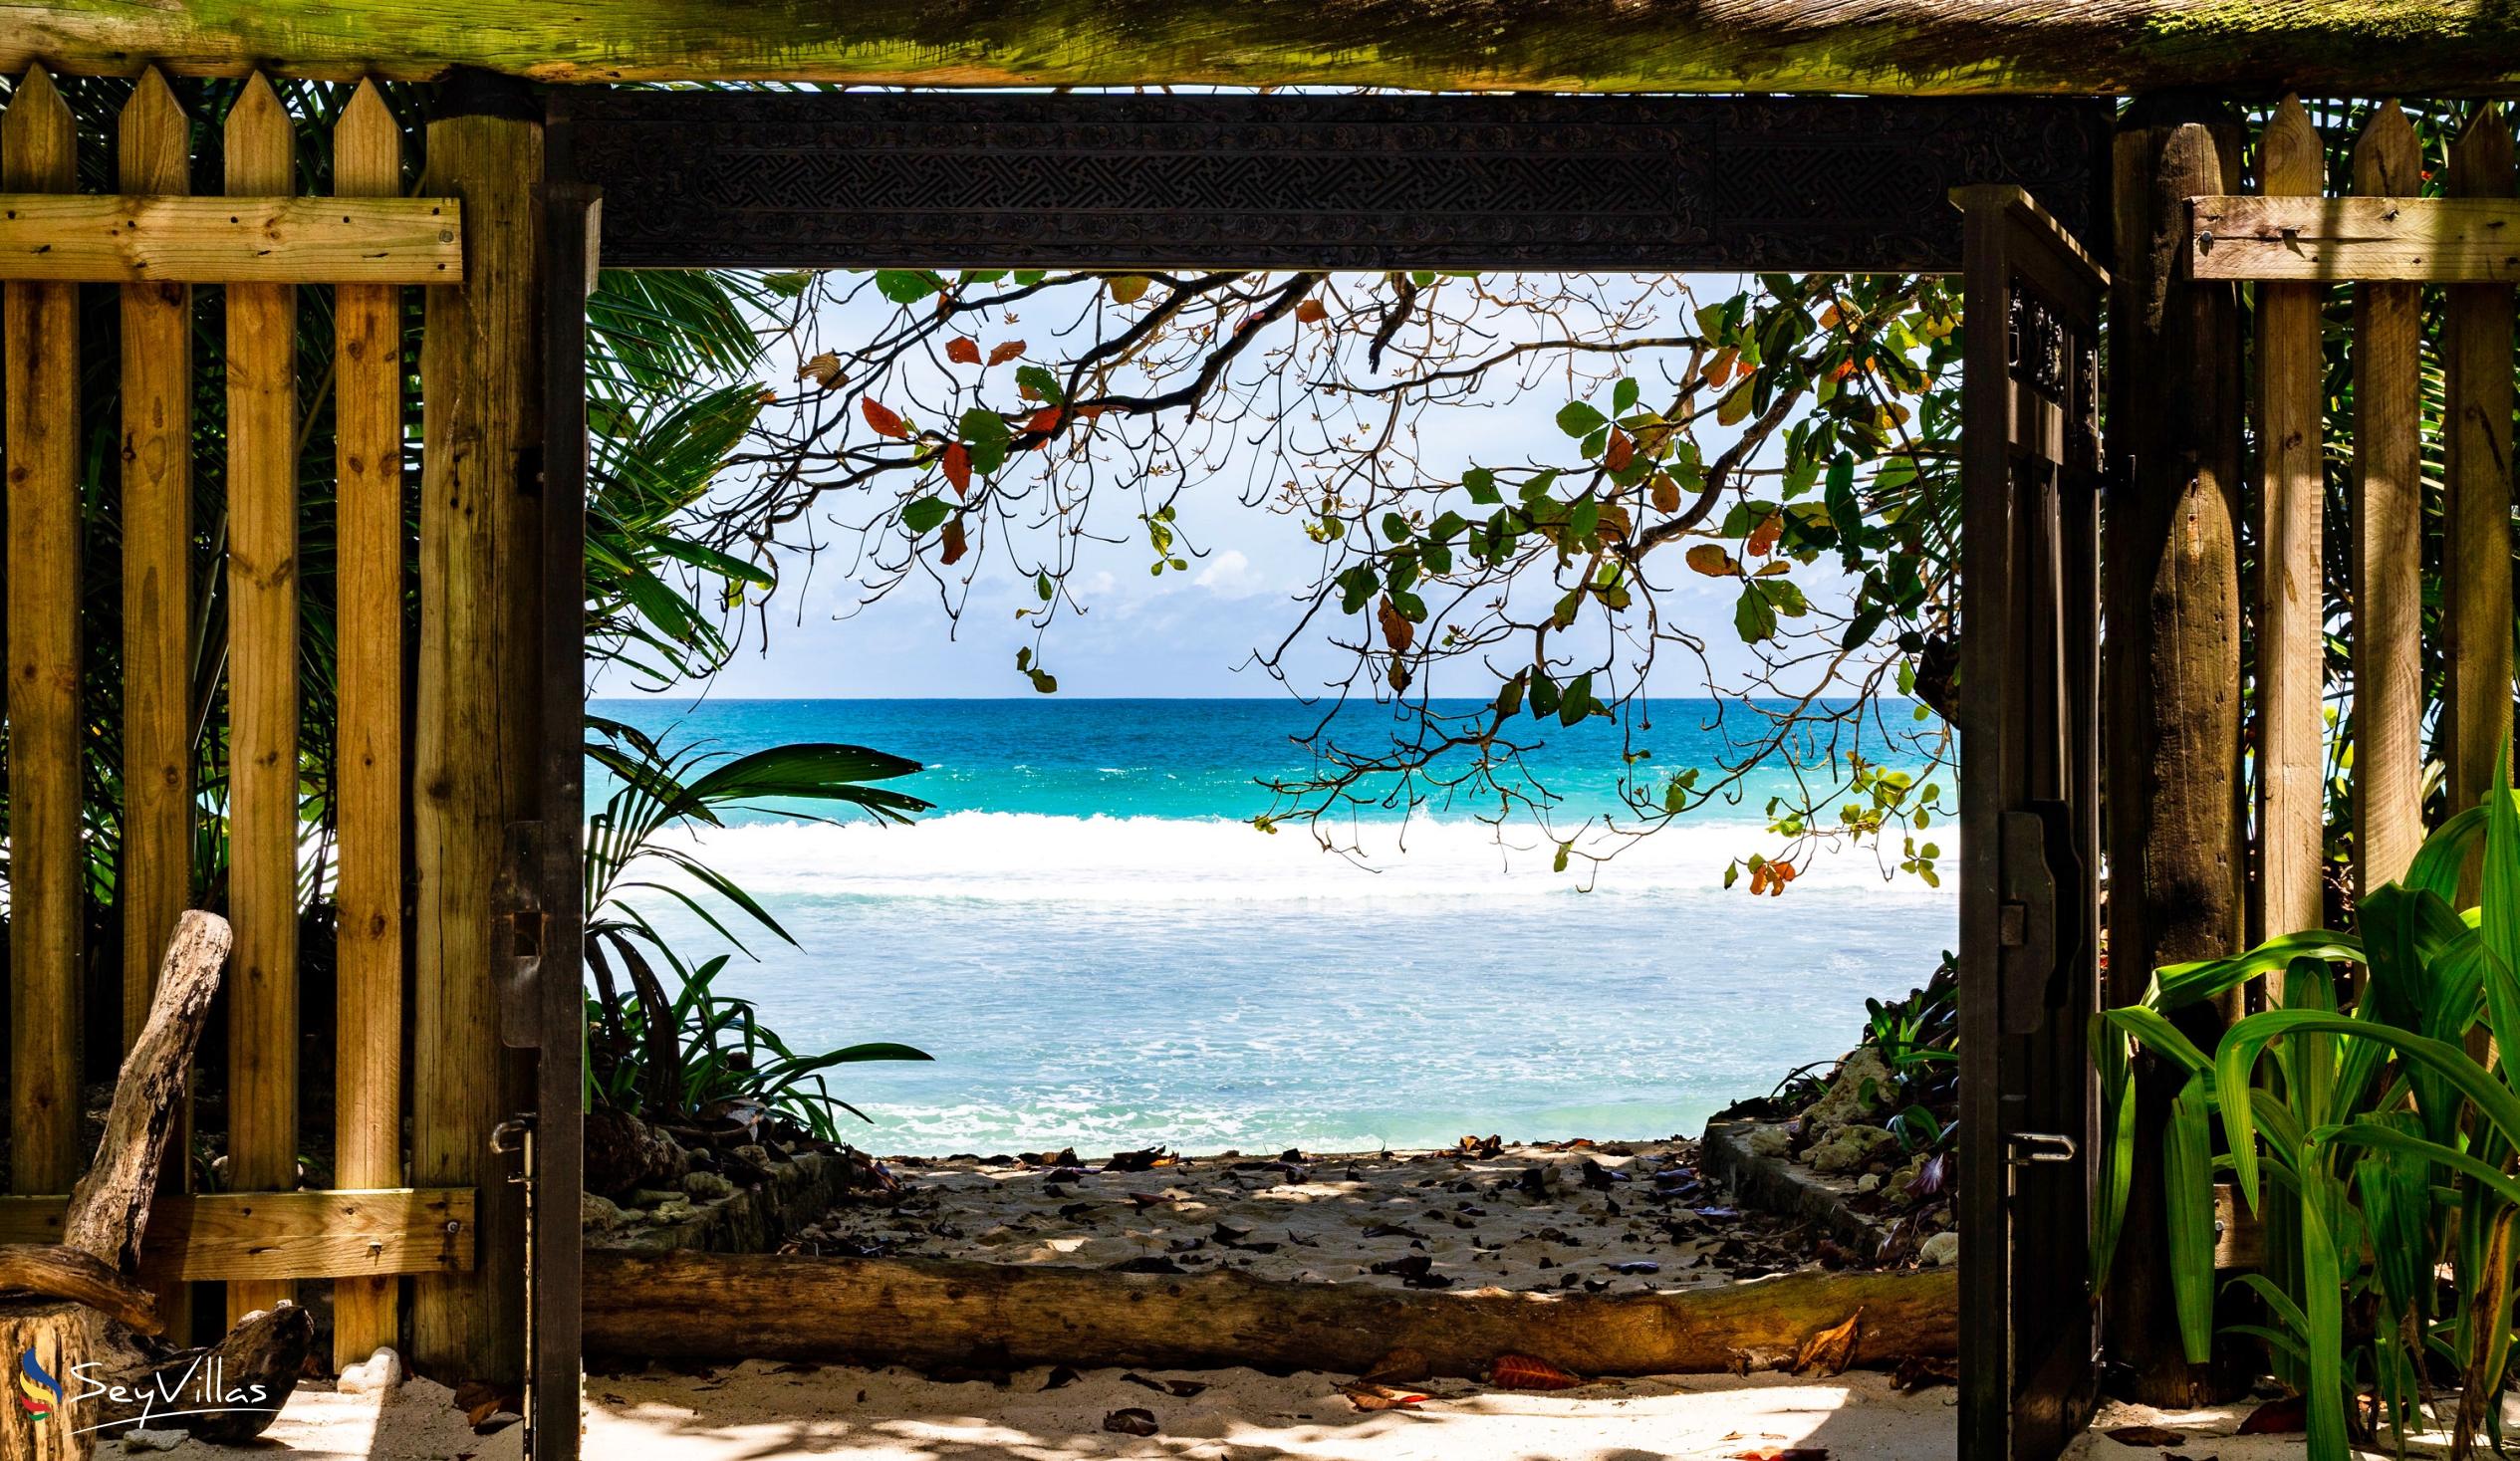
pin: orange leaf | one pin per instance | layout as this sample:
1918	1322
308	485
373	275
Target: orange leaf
1368	1396
885	422
957	464
1311	311
1830	1349
1763	537
1666	493
1711	559
1045	421
955	543
1004	350
1523	1372
1620	452
963	349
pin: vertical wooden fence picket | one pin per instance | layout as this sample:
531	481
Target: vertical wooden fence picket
38	154
2292	604
260	243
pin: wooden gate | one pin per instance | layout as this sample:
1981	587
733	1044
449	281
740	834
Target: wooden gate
2030	838
401	814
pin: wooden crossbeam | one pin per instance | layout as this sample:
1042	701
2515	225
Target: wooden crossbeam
283	1235
120	239
2396	240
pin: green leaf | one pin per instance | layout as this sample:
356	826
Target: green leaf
1041	382
1753	617
1480	483
1623	396
1576	418
923	514
907	286
2188	1193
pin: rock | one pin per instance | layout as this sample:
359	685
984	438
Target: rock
380	1373
1941	1250
754	1152
1861	1087
1770	1142
708	1186
1850	1150
624	1152
673	1210
136	1439
1869	1182
595	1214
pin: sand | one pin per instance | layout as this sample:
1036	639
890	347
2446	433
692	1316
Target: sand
759	1411
1618	1217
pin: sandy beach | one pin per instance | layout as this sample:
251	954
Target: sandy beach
1612	1217
758	1411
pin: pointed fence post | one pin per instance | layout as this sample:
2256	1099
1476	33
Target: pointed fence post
2476	344
367	430
39	363
262	590
2388	534
2292	642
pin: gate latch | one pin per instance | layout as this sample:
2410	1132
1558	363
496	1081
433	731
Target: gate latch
2023	1149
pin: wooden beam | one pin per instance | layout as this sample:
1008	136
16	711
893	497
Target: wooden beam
262	679
1918	47
2408	240
131	239
2388	530
945	1312
2292	643
39	363
283	1235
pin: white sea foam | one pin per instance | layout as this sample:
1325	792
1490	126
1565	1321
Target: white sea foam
1024	857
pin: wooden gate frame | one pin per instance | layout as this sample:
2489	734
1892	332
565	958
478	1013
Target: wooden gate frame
805	181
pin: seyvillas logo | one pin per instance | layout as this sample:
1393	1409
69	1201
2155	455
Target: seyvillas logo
39	1395
198	1388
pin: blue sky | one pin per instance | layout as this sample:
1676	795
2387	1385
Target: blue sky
1177	635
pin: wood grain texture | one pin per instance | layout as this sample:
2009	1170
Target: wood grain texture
283	1235
475	754
2477	353
262	587
1910	46
943	1312
60	1335
153	156
57	1271
132	238
367	429
109	1209
2387	513
39	371
2172	657
2460	240
2291	597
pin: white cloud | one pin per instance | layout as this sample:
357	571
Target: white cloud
1230	574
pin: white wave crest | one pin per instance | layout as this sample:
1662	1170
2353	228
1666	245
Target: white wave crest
1027	857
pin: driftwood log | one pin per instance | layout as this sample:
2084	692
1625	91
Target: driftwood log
961	1315
74	1326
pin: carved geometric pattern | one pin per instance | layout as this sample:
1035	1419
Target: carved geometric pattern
1000	179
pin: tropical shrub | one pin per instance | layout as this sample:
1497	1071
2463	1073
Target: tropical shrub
679	1053
2353	1119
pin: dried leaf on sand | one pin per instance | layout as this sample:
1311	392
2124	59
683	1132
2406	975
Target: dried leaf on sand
1830	1350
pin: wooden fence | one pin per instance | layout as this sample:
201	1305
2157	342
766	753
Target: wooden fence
2386	243
261	243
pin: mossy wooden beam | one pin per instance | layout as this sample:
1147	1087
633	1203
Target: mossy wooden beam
1919	47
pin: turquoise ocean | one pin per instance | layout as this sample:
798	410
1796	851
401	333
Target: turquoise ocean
1101	951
